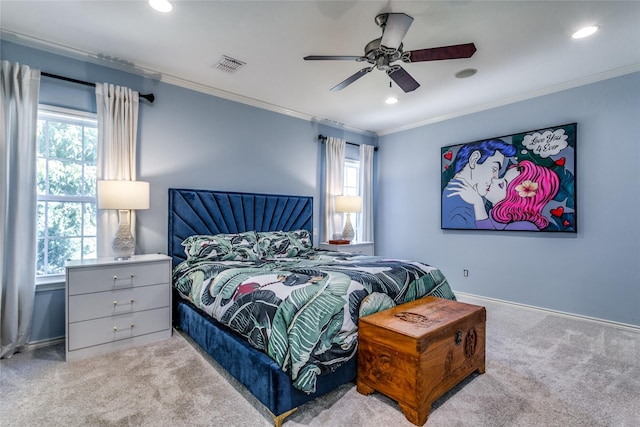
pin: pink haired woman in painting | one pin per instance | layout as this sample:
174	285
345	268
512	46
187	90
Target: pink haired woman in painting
520	197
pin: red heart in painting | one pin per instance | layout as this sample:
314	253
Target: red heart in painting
566	223
557	211
446	167
561	161
448	155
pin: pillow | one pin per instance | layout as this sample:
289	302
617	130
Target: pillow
222	247
284	244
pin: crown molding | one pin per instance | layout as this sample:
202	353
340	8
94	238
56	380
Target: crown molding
522	97
209	90
167	78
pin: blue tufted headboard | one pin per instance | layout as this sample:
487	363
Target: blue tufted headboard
212	212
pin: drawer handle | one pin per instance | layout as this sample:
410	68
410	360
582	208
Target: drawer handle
132	300
115	328
131	277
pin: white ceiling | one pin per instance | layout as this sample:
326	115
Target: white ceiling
524	49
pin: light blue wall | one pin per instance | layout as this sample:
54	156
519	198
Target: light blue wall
595	272
192	140
188	139
47	321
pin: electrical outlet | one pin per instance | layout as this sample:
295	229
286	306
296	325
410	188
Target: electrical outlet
465	272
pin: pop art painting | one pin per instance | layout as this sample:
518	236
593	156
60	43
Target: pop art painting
520	182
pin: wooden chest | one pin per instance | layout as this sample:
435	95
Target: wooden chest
416	352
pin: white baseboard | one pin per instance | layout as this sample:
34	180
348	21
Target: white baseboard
604	322
626	326
45	343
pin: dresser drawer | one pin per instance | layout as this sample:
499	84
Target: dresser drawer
119	327
122	301
358	249
361	248
107	278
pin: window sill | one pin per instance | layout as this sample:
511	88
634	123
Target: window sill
50	283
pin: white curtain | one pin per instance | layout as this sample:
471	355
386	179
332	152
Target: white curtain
19	89
365	231
117	140
334	172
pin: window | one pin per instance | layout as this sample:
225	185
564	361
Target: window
66	188
351	182
351	186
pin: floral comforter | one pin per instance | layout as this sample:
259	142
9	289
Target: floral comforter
303	312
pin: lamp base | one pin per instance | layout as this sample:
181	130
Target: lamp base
124	244
348	233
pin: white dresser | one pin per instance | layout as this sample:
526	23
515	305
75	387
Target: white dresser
364	248
113	304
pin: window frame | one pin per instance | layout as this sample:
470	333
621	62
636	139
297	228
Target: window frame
76	117
351	190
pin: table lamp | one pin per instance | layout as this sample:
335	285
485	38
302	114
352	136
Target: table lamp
124	196
348	205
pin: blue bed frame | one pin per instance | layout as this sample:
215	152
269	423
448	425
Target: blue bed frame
213	212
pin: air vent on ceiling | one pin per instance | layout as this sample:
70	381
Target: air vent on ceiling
228	64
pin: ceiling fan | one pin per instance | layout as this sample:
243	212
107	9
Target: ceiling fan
382	52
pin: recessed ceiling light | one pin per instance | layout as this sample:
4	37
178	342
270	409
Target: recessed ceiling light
463	74
391	100
585	32
161	5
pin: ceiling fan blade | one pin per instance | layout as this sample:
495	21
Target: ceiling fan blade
333	58
393	31
403	79
351	79
445	52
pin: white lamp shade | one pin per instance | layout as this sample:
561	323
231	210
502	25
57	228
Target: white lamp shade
123	195
349	204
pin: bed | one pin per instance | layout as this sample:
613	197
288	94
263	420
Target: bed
277	314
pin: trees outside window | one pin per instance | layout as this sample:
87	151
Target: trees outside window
66	188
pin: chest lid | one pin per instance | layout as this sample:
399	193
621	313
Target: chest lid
424	316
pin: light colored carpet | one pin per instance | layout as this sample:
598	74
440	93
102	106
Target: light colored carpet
542	369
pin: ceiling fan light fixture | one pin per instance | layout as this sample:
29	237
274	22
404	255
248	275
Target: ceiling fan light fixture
161	5
391	100
585	31
468	72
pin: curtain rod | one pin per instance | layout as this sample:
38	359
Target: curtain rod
324	138
149	97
